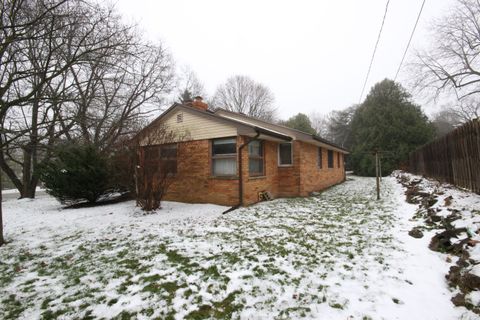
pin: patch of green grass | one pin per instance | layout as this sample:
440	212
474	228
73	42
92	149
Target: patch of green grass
223	309
212	272
125	315
132	264
293	312
123	287
50	315
13	307
176	258
336	306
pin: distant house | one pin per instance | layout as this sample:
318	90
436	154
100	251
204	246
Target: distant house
229	158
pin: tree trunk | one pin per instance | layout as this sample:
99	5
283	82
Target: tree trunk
30	156
10	172
26	172
29	180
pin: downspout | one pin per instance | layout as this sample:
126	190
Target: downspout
240	173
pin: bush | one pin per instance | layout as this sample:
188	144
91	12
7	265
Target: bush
75	173
153	176
121	164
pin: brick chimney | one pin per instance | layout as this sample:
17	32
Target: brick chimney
198	103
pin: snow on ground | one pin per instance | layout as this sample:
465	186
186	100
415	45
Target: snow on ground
452	215
337	255
15	191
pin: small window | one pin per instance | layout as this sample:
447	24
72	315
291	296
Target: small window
255	158
179	117
224	157
319	158
330	158
168	156
338	159
285	154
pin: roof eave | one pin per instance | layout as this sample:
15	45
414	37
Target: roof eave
273	134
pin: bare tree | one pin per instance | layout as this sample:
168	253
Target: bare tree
107	80
319	122
452	63
22	22
445	121
453	115
244	95
467	109
189	86
339	126
115	97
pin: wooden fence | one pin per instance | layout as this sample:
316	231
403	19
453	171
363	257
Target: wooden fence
453	158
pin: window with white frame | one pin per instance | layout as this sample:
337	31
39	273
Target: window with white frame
255	158
285	154
224	157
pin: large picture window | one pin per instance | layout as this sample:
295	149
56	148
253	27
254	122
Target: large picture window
224	157
285	154
330	158
255	158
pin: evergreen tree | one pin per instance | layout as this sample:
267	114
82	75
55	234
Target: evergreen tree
388	121
300	122
186	96
75	173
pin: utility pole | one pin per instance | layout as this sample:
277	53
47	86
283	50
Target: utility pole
377	171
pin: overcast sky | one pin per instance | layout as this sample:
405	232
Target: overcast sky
313	55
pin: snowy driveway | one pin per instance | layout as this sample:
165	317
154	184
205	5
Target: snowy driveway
338	255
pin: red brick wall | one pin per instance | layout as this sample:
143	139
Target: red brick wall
312	177
194	183
268	182
289	176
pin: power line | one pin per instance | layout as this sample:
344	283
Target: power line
374	50
409	40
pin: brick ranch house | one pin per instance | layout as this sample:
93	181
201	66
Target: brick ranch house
229	158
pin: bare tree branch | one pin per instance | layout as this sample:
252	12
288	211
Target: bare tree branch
452	63
244	95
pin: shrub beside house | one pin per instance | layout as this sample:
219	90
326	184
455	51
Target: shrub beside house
231	159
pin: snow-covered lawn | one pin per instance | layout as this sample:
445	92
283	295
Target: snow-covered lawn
338	255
